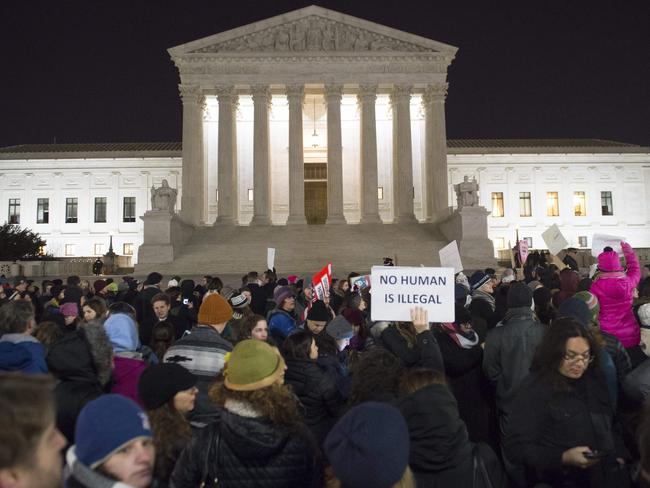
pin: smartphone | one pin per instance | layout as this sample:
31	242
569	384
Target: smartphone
186	301
595	454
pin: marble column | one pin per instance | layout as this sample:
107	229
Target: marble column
193	184
295	96
400	99
366	98
333	94
261	166
226	156
435	153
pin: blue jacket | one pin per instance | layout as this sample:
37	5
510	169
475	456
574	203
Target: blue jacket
281	324
23	353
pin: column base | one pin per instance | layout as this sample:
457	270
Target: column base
225	221
260	220
296	220
336	220
406	219
371	219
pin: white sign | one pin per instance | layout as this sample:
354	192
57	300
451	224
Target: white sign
554	239
601	241
396	290
450	257
270	257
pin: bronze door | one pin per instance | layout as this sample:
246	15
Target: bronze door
316	202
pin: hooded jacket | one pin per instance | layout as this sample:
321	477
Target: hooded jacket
12	354
614	290
129	364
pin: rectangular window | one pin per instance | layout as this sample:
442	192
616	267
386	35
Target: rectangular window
579	204
127	249
552	204
128	214
14	211
100	210
529	240
500	242
71	206
250	195
497	204
582	241
606	204
69	249
98	249
43	211
380	192
525	207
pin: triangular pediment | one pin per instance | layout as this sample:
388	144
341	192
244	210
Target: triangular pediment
312	30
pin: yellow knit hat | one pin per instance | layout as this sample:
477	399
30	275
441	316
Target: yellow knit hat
253	365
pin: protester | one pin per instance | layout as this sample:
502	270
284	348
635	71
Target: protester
161	305
483	304
253	327
142	303
94	308
19	350
113	446
260	435
282	319
168	393
30	444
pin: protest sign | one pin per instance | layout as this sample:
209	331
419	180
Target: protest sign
600	241
450	257
523	251
270	257
396	290
554	239
322	282
358	283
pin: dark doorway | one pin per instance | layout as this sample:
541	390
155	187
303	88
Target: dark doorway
316	202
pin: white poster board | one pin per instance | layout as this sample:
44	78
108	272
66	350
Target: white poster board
600	241
397	289
554	239
270	257
450	257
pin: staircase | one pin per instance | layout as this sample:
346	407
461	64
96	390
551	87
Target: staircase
303	249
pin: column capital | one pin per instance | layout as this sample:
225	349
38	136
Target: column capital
401	93
225	93
261	93
367	93
435	93
191	94
333	93
295	93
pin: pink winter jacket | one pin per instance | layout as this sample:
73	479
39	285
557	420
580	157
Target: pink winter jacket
614	291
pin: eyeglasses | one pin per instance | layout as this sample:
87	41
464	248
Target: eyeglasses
572	357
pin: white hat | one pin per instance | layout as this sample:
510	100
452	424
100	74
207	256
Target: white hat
644	314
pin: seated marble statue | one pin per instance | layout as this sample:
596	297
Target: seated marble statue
163	198
467	193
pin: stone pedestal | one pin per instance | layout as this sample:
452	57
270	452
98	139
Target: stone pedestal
468	227
164	236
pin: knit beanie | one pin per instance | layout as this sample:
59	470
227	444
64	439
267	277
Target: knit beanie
253	365
576	308
159	383
107	424
236	299
281	293
644	314
172	283
369	446
319	312
99	285
215	309
153	278
519	295
478	279
592	304
608	261
354	316
460	292
339	328
69	309
112	287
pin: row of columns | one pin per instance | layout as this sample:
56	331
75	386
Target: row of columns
192	202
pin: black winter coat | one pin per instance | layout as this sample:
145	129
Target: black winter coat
546	421
248	452
424	353
70	360
317	393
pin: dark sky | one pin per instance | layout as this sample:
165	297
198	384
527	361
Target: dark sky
88	71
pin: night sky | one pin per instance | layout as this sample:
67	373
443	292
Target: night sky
85	71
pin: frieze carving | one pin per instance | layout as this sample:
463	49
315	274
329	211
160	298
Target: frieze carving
313	33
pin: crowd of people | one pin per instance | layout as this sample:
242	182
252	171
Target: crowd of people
541	380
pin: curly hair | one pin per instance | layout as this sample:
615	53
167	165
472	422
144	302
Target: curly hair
171	432
550	352
246	326
275	402
375	376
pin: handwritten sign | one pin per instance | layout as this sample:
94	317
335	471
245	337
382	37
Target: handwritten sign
270	257
397	289
600	241
450	257
554	239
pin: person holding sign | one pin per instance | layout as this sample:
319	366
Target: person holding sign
413	342
614	288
